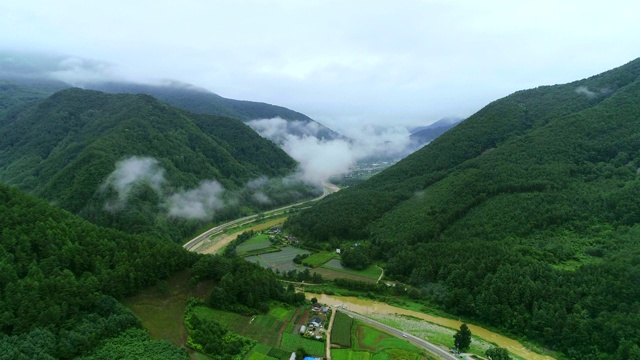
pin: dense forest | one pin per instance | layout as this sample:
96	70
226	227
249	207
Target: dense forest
522	217
73	149
60	276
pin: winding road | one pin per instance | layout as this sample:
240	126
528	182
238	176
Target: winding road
195	243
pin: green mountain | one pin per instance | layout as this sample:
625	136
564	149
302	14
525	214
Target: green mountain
201	101
15	94
128	161
36	73
60	276
524	216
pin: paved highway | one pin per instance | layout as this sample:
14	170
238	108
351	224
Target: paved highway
194	244
432	348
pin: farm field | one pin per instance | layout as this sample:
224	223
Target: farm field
292	342
332	269
341	331
281	260
260	352
367	342
275	332
318	259
254	245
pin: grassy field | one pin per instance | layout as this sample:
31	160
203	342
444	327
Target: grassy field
341	331
332	269
161	307
281	313
318	259
243	325
254	245
292	342
260	352
372	272
348	354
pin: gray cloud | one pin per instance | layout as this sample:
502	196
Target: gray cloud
321	159
132	172
586	92
199	203
202	202
337	61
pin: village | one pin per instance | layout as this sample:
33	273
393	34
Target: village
316	328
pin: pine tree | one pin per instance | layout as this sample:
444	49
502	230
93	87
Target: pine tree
462	338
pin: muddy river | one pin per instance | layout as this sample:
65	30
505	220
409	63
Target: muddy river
364	307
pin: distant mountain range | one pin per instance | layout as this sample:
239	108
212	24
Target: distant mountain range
426	134
525	216
38	72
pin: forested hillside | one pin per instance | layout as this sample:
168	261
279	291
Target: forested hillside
201	101
35	73
13	94
522	217
59	276
130	162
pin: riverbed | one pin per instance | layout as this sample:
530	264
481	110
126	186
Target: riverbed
364	307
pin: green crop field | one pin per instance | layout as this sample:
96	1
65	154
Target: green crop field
282	313
259	356
224	318
261	352
279	353
268	322
256	245
348	354
241	324
292	342
372	272
374	344
341	330
257	239
318	259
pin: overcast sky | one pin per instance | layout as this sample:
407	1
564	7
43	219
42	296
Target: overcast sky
341	62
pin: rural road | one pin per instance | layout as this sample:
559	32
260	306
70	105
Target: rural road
432	348
194	244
